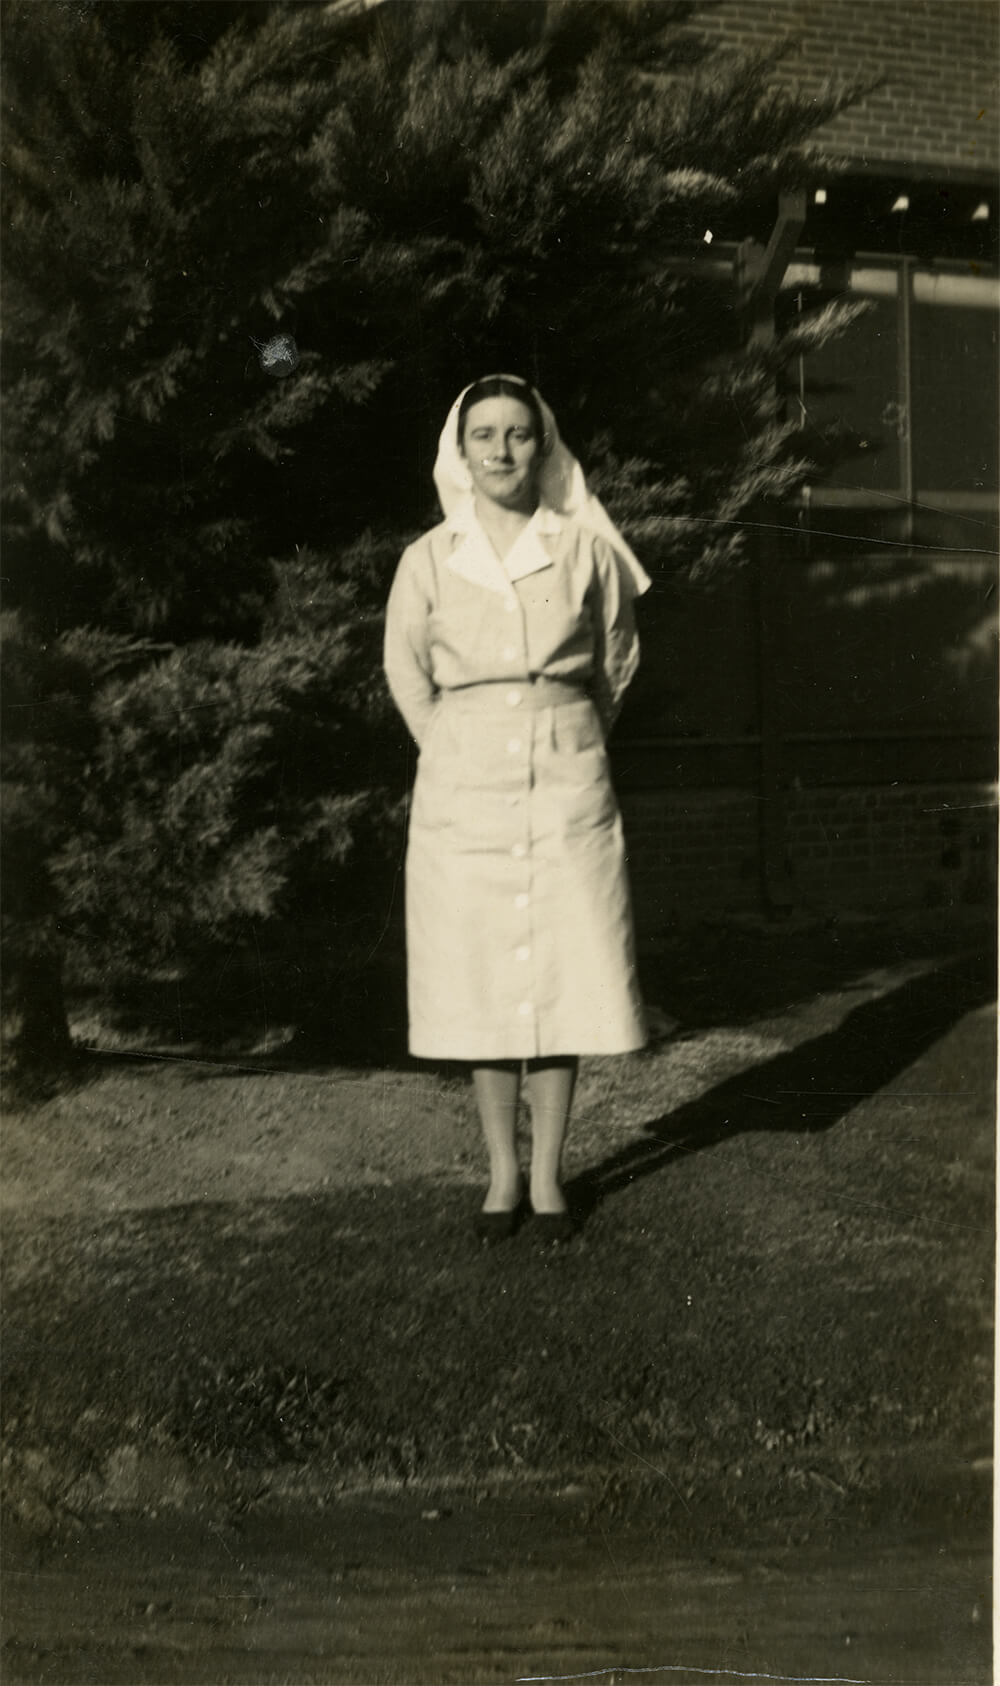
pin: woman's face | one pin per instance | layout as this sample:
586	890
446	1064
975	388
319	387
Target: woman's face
503	452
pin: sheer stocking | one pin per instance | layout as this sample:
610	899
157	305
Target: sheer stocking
550	1085
497	1087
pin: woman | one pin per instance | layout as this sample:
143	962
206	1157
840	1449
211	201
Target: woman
510	641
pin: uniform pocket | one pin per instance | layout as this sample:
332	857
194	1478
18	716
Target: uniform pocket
573	783
576	729
435	782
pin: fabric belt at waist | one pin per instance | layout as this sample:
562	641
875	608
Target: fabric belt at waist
515	693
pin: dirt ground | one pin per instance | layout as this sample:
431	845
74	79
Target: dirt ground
271	1413
446	1589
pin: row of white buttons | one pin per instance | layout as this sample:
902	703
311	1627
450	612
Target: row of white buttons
519	851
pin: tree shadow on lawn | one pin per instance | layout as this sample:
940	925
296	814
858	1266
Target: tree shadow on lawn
807	1089
708	973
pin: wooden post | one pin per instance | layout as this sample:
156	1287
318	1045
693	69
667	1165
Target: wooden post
775	873
905	398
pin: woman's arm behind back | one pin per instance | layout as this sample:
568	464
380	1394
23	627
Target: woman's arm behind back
407	645
616	655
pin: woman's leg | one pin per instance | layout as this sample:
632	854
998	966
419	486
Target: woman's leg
550	1090
497	1086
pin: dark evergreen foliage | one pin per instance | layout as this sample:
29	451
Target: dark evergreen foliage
198	553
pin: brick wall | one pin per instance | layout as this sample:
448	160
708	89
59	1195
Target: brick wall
861	849
690	853
939	106
897	846
864	847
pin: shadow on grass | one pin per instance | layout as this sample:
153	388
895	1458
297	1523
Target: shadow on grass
807	1089
248	1011
266	1015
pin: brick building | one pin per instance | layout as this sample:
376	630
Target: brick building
849	762
938	105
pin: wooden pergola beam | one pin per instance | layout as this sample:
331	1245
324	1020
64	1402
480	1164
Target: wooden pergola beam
761	269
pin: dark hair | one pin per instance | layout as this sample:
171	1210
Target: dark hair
502	386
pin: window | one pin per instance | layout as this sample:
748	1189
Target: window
902	408
953	343
888	615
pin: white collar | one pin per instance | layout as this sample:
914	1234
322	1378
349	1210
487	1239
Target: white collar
475	559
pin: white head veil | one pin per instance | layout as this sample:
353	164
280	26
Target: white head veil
561	483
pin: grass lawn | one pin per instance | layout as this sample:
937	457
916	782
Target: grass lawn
234	1280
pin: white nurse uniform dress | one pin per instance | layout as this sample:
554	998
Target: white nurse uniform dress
509	674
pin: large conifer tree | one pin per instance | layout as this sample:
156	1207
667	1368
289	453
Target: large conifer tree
409	193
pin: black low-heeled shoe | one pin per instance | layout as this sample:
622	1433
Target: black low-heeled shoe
492	1227
551	1228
